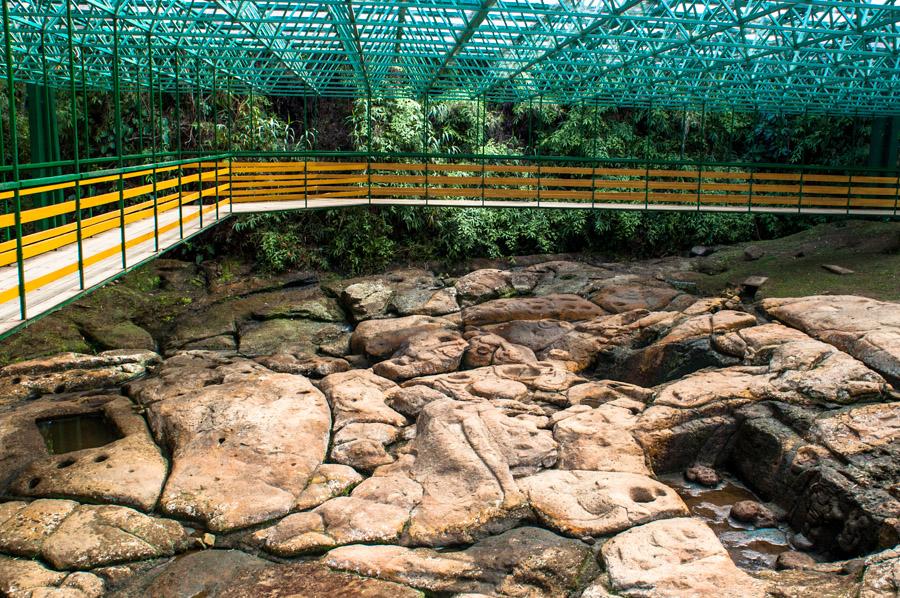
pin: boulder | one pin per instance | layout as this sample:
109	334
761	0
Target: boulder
269	337
424	354
593	503
72	536
617	297
752	512
490	349
703	475
380	339
526	561
425	301
304	364
72	372
543	381
867	329
598	440
483	285
367	299
364	425
129	470
467	455
550	340
570	308
244	440
29	579
327	481
675	557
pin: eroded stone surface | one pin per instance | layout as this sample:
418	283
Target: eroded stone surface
72	536
865	328
29	579
128	471
380	339
674	557
71	372
526	561
593	503
570	308
424	354
244	440
598	439
364	425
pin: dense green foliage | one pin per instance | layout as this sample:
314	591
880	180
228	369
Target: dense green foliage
365	239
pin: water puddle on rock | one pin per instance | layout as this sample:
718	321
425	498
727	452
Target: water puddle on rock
751	549
77	432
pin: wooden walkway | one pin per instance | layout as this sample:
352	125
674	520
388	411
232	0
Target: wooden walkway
149	210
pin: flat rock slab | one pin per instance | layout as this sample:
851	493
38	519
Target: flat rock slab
593	503
674	558
380	339
569	308
72	536
128	471
21	578
310	580
244	440
526	561
865	328
72	372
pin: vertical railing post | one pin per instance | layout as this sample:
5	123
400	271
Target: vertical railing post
750	190
849	189
896	192
699	183
540	123
647	157
200	192
800	197
75	152
14	150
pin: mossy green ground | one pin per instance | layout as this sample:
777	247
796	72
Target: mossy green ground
136	311
793	264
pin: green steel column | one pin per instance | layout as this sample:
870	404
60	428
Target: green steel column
483	141
14	154
594	155
153	141
231	109
140	116
425	144
198	100
117	105
647	158
369	144
537	142
215	129
178	141
75	153
252	121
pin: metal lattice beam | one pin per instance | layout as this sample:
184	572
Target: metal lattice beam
820	56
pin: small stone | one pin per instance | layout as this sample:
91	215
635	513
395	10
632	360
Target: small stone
753	253
209	540
703	475
835	269
702	251
754	513
793	559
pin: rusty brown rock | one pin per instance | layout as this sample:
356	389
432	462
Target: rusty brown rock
570	308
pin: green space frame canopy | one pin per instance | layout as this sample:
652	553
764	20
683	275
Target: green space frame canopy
745	55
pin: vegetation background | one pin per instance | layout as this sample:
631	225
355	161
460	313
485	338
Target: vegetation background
368	238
